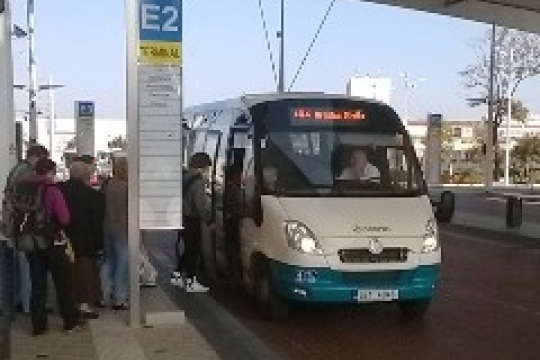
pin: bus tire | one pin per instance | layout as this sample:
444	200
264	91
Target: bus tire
414	309
271	305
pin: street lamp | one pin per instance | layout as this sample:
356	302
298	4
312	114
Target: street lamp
32	85
508	119
49	87
281	35
409	84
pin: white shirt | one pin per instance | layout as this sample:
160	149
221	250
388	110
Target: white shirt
370	172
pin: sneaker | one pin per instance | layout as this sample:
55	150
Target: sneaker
120	307
40	331
150	283
89	315
77	326
177	279
194	286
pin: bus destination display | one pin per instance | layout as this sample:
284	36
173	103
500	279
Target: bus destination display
327	115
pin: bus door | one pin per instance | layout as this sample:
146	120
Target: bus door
237	143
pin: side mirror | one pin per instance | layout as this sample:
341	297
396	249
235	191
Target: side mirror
446	207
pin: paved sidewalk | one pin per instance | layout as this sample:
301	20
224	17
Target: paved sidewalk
109	338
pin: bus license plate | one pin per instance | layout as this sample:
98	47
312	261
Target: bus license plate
376	295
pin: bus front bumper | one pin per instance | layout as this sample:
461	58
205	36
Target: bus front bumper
327	285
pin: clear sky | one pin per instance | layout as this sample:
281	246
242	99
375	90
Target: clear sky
81	44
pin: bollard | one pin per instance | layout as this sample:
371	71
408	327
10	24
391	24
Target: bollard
514	207
446	207
6	298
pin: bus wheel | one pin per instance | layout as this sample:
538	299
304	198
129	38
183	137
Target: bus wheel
414	308
271	305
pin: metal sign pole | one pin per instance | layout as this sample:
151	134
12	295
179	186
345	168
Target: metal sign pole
433	164
154	117
7	121
132	117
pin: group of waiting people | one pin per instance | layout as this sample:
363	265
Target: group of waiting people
94	272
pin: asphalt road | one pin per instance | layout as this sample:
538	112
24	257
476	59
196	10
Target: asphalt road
487	307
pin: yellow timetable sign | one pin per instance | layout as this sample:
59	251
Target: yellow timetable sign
160	53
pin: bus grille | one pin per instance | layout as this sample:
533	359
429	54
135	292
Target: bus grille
363	256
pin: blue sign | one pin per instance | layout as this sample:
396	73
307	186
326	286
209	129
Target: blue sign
160	20
434	119
85	108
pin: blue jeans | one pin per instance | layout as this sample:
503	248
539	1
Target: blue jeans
23	285
114	272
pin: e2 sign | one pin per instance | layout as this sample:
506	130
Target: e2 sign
161	20
160	32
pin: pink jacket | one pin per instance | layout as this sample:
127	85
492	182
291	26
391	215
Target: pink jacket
55	204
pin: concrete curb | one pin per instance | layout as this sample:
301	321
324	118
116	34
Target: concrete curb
229	338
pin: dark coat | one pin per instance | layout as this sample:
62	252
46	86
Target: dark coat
87	208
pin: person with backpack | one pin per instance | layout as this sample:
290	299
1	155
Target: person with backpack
23	171
195	209
41	214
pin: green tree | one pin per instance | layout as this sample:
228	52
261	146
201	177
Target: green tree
517	58
526	154
447	143
527	150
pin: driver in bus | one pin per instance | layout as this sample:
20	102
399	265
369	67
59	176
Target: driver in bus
360	168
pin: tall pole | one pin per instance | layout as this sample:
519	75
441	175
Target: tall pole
51	116
7	160
489	159
406	109
132	114
32	88
7	118
508	119
281	84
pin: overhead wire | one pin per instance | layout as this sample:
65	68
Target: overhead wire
321	25
268	44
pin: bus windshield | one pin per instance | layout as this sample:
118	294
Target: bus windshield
352	149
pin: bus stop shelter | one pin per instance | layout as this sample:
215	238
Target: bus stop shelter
518	14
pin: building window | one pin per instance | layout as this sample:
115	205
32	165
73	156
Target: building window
456	132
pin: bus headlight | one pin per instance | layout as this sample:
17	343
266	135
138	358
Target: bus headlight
299	237
431	237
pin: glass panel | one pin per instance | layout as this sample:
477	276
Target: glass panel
321	161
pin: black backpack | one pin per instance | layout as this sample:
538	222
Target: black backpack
188	180
30	227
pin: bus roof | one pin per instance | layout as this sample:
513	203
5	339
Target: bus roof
248	100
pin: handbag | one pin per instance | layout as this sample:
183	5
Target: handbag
63	240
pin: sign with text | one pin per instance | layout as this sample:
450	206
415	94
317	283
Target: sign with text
84	127
160	32
159	76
